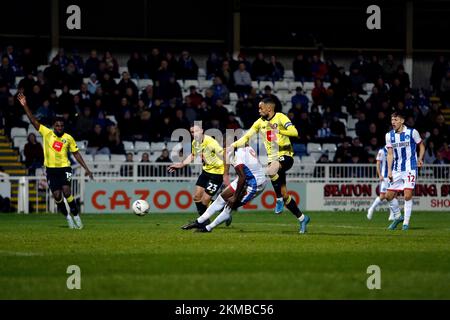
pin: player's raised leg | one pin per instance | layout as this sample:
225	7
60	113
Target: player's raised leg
74	210
58	196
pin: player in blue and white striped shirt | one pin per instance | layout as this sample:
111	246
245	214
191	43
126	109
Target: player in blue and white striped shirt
382	173
401	143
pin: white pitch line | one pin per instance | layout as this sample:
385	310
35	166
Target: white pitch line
20	254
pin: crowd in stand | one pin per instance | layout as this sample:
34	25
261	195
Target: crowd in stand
153	113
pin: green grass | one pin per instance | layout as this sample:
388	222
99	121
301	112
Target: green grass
260	256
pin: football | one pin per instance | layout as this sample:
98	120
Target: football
141	207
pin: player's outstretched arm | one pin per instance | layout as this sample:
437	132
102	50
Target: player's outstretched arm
233	200
379	170
291	131
180	165
80	160
246	137
23	101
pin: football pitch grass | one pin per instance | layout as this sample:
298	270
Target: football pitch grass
260	256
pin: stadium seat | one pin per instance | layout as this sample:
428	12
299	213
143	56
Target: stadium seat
18	132
289	75
19	142
367	87
230	107
154	156
86	80
88	157
42	67
201	73
351	133
330	147
203	85
122	69
112	118
188	83
295	84
82	145
233	97
299	149
58	92
286	107
313	147
255	85
351	122
128	146
18	79
308	86
281	86
157	146
118	158
142	146
102	158
117	80
262	84
32	129
143	83
13	91
343	121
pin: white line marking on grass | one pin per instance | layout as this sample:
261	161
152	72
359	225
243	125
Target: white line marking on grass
20	254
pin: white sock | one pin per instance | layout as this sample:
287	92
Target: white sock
221	218
77	219
393	206
408	209
301	218
217	205
375	203
69	217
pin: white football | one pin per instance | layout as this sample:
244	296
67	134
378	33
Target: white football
141	207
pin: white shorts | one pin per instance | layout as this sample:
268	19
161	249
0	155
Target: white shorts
402	181
384	185
253	189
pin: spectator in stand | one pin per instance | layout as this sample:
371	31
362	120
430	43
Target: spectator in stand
92	63
232	122
441	172
71	77
7	73
34	154
353	102
301	68
359	63
318	94
28	62
165	129
195	97
160	170
444	129
430	152
247	108
220	91
268	94
137	66
188	66
305	129
45	114
362	126
125	83
357	80
126	170
445	89
445	150
219	114
173	65
373	70
112	66
299	99
36	98
147	96
213	65
77	60
403	77
242	80
163	74
389	68
84	95
27	83
93	84
53	74
438	71
339	89
127	126
180	121
324	133
337	128
97	141
319	171
84	124
108	84
276	69
226	74
318	68
358	150
144	169
260	68
153	63
65	102
396	92
243	59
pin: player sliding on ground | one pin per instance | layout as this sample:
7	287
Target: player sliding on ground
211	178
56	145
276	128
401	143
382	173
250	182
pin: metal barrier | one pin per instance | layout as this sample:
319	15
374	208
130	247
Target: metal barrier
35	188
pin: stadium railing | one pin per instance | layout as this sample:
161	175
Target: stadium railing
29	187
